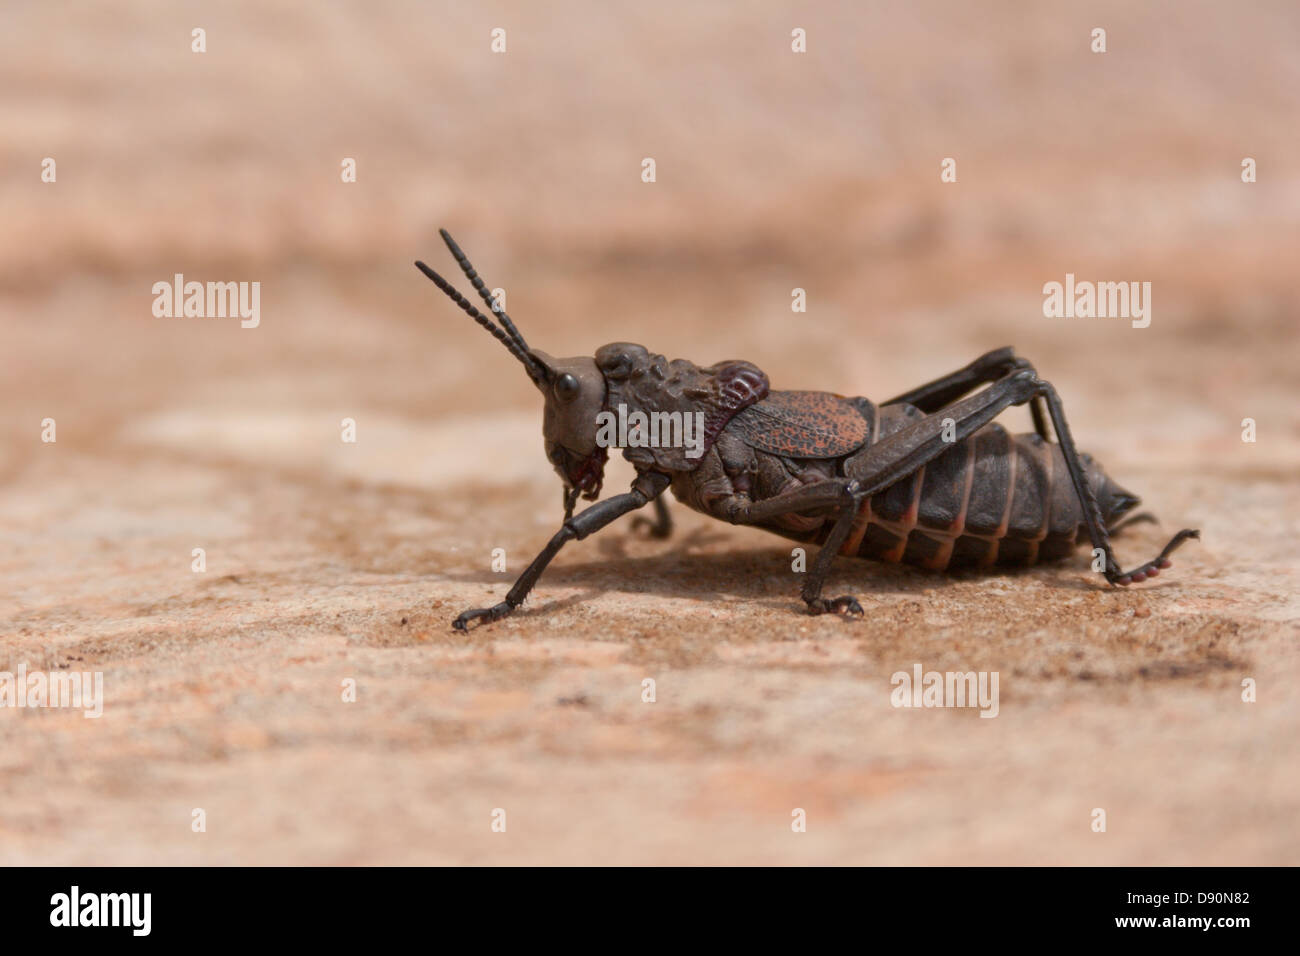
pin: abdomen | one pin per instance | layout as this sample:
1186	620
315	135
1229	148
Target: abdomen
993	499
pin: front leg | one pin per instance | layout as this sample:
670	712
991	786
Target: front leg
647	487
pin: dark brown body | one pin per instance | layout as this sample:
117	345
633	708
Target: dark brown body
994	498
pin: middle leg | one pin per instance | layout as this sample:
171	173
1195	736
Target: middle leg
662	524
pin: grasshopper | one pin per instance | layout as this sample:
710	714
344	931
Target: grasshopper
926	478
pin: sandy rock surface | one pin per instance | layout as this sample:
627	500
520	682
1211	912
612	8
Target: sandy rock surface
329	562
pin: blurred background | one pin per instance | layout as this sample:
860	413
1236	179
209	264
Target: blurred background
774	170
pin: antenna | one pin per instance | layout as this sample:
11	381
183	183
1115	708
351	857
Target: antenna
535	369
481	286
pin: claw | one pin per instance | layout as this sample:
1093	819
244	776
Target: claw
1153	567
845	604
488	614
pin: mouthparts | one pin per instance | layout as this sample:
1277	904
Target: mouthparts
590	474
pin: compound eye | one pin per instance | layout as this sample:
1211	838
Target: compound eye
566	388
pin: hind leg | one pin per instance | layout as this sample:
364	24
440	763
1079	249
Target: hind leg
1038	392
1097	530
989	367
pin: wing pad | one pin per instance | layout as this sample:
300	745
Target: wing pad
802	425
